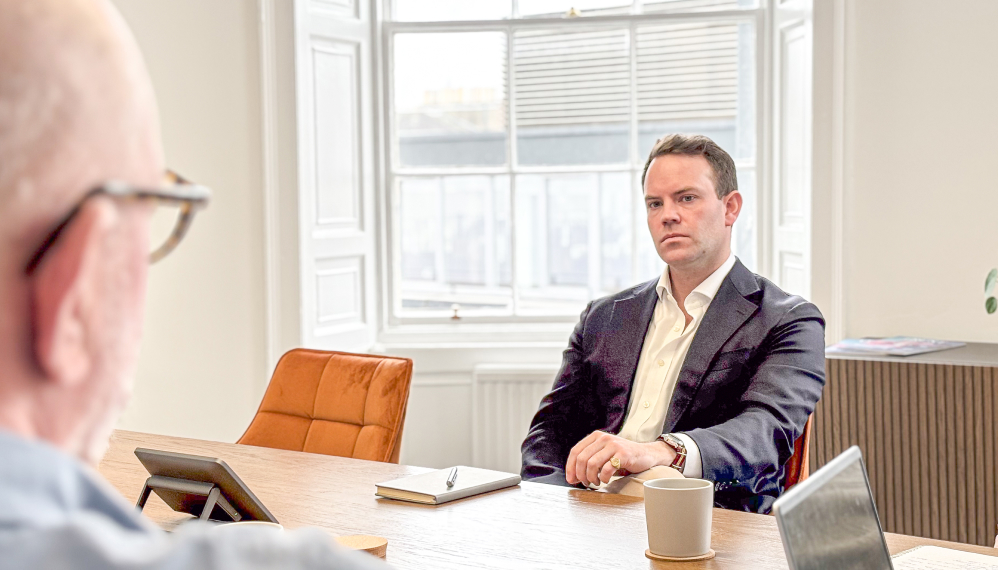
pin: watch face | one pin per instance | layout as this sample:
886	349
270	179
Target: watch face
674	442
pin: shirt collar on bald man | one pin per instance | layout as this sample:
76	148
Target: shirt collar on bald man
705	291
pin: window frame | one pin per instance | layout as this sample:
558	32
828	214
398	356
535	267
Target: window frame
396	329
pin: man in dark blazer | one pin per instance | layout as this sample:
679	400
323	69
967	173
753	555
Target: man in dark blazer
710	369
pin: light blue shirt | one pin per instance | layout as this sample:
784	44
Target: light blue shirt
57	513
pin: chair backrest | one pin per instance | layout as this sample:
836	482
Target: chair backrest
334	403
797	467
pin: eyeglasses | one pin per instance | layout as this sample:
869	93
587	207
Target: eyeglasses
176	192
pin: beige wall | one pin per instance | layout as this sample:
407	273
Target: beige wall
203	364
921	200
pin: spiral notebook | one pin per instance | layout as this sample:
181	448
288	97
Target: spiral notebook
431	488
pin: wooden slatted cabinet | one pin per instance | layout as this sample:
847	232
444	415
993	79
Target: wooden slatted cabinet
926	426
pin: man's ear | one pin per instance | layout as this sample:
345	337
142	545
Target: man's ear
63	289
732	207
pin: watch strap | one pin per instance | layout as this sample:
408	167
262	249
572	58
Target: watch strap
679	463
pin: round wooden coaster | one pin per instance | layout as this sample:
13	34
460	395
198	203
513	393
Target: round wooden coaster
371	544
708	556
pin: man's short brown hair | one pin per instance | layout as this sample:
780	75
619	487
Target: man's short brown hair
725	179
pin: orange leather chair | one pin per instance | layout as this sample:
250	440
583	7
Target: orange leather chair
334	403
797	467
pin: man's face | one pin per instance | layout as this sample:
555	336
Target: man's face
690	225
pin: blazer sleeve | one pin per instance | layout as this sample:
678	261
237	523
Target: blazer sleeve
563	414
753	446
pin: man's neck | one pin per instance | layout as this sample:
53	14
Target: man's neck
685	279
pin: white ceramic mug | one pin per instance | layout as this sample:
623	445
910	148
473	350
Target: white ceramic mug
678	513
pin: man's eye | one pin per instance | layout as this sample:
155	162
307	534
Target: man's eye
688	198
651	205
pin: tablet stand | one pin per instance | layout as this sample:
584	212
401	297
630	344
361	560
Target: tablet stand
204	500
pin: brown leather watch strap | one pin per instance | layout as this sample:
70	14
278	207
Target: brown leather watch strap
679	463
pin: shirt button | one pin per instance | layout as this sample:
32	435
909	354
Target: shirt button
676	329
647	404
661	362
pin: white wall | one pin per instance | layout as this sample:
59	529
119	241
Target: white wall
203	365
920	148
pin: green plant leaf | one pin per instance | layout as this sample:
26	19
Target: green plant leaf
989	282
991	305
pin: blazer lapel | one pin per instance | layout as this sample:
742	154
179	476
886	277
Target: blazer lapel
628	326
726	314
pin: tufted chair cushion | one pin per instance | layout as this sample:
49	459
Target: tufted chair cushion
334	403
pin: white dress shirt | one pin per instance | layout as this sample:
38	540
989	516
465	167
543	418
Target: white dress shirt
662	356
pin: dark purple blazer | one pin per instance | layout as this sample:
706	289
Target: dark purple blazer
751	378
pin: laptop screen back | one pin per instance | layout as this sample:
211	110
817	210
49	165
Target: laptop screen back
830	520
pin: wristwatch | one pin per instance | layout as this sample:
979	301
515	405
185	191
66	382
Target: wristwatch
679	463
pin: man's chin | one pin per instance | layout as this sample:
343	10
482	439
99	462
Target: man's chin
676	257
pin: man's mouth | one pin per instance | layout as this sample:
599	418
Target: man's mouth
667	237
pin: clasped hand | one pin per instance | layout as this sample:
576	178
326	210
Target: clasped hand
589	461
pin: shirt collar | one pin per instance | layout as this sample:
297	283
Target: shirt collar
707	289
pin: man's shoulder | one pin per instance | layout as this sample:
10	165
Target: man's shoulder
637	291
771	298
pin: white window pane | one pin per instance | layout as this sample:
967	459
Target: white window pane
450	102
572	96
698	78
455	244
555	225
618	198
658	6
420	228
558	8
441	10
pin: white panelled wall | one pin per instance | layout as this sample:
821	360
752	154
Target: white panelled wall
791	173
336	174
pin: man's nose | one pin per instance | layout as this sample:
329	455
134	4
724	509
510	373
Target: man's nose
668	214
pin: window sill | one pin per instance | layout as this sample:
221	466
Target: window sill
475	335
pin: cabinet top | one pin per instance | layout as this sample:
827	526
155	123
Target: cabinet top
973	354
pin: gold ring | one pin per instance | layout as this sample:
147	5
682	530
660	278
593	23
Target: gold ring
615	463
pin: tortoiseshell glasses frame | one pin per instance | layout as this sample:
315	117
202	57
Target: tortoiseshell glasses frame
176	191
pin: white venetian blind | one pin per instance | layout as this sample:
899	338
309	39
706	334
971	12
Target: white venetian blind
571	77
686	71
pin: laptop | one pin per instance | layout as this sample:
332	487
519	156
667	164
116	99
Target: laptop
830	519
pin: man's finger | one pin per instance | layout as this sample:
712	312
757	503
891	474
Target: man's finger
599	462
582	462
609	471
571	475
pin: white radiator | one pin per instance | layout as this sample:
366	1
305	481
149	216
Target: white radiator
504	399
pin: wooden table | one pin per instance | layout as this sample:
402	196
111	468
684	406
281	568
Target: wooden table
530	526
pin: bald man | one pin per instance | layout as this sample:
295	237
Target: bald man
77	112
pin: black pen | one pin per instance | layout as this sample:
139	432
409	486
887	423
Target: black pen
452	477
